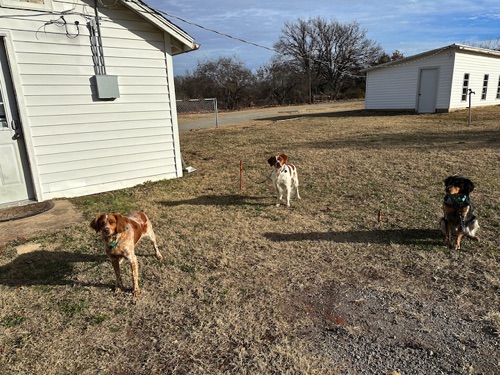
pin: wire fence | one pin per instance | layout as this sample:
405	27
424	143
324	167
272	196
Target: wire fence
207	105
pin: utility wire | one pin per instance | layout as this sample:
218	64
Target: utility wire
215	31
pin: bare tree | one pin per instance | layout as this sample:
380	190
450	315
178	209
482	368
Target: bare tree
225	78
493	44
329	51
297	42
385	58
342	51
279	82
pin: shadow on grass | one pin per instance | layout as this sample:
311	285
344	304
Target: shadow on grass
339	114
46	268
461	139
422	237
469	138
217	200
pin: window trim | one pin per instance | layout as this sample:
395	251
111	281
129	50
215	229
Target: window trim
484	91
498	88
465	86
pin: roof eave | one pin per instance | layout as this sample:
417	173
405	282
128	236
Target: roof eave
460	47
185	42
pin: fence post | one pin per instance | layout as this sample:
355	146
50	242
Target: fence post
470	105
241	175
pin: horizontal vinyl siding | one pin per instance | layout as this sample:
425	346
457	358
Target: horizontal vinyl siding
391	88
396	87
477	66
82	145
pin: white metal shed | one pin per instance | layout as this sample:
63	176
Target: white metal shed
87	100
435	81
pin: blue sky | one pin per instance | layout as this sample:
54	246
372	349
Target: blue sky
410	26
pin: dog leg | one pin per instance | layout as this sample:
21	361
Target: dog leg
279	196
296	185
115	261
442	225
459	239
471	229
447	233
152	237
135	274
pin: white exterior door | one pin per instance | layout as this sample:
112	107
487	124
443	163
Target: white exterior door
15	181
427	91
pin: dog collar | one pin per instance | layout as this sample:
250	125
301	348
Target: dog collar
114	243
459	199
456	201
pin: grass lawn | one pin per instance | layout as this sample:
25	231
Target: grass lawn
245	287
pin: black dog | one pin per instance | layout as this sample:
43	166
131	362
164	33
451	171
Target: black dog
459	219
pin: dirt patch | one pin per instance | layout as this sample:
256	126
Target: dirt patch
27	222
398	331
24	211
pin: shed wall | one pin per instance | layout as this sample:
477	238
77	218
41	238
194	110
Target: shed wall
396	87
477	66
77	144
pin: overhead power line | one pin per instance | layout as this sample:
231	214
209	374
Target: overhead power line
215	31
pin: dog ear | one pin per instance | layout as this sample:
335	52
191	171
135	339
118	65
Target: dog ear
94	224
272	161
284	157
121	223
468	186
449	180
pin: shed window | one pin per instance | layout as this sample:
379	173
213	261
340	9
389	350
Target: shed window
465	87
485	87
498	88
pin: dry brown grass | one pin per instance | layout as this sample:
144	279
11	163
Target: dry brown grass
249	288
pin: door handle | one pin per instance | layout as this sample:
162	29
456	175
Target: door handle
15	126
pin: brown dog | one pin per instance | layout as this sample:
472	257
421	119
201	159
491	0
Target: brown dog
120	234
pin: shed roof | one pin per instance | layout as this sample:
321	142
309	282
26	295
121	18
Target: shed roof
458	47
183	42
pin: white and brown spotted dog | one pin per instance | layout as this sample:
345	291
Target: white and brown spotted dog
120	234
284	177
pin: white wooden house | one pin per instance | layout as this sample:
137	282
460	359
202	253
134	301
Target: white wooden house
436	81
87	97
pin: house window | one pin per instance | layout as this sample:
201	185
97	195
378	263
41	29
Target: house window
465	87
498	88
485	87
